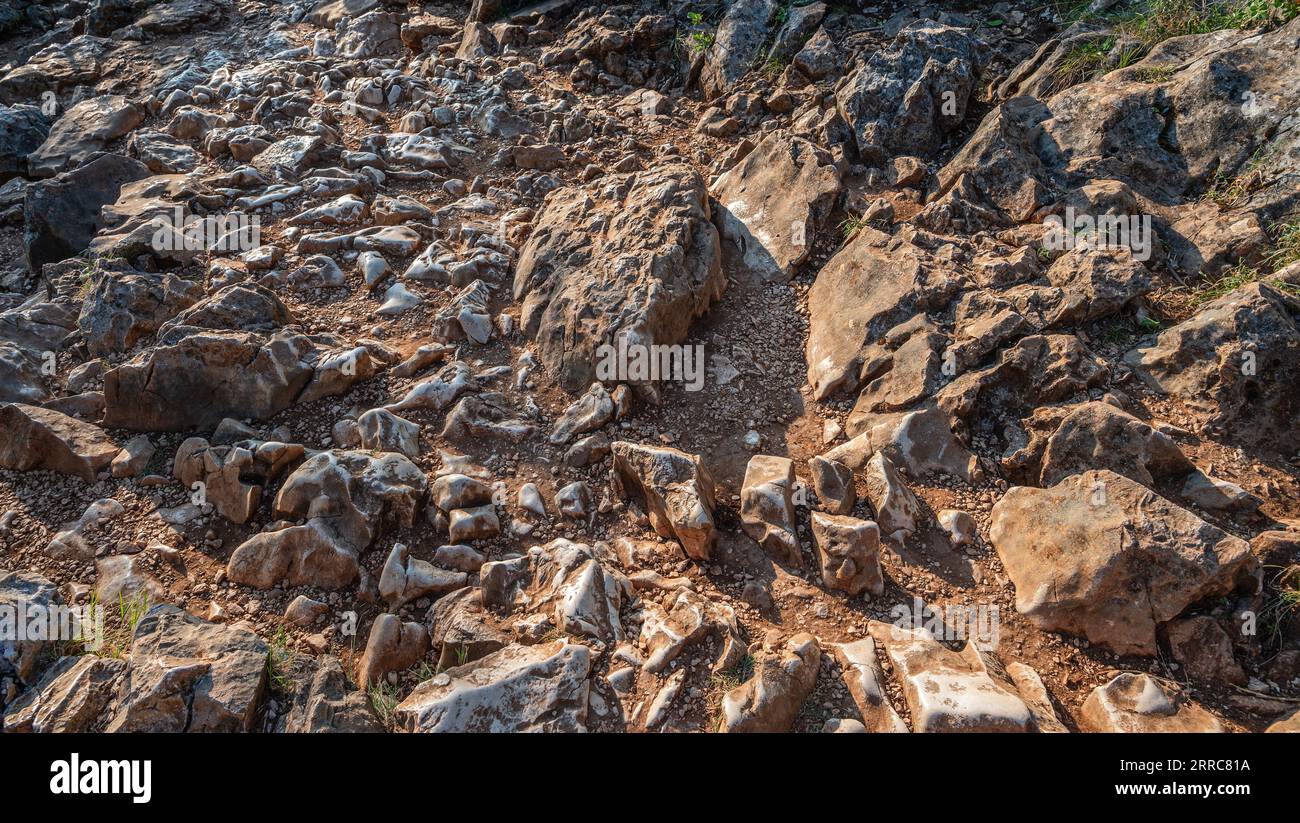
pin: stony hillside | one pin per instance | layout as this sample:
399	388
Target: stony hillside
650	366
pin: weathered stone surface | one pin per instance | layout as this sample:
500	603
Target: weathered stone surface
1142	703
348	499
72	696
1230	361
26	593
675	488
949	691
381	430
898	512
62	215
906	97
232	476
205	377
848	551
124	307
405	578
873	284
588	413
1204	650
639	260
189	675
540	688
327	704
862	674
783	678
392	647
23	129
921	441
832	481
82	130
737	44
1065	440
774	202
579	585
1028	147
1102	556
123	577
36	438
767	507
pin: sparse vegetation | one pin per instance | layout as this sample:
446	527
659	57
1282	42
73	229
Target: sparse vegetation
1085	62
1153	74
1286	250
383	699
120	621
851	225
280	659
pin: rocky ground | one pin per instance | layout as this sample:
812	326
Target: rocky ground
306	319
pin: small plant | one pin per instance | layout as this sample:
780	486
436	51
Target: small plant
383	699
851	225
773	67
728	679
462	655
1085	62
1230	281
1286	244
697	40
280	659
1153	74
119	625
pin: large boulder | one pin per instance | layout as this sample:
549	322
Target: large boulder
125	306
189	675
23	129
774	202
1121	128
737	44
1102	556
639	260
62	215
83	130
72	696
873	284
206	377
541	688
1234	362
36	438
906	97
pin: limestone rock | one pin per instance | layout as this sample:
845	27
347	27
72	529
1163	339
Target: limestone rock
676	489
1141	703
767	507
1102	556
